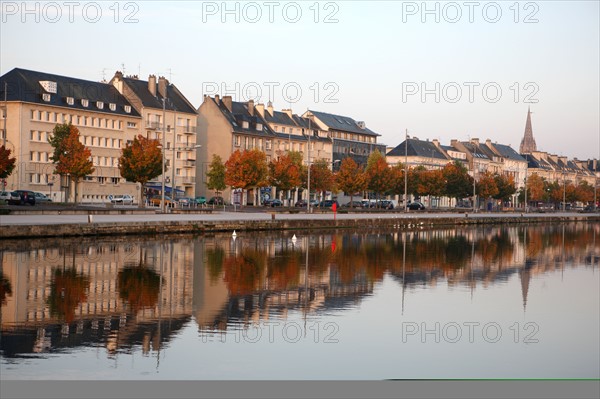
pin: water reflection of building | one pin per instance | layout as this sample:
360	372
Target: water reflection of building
219	282
42	312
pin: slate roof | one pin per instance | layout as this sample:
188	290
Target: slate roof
175	100
280	118
24	85
508	152
535	163
343	123
475	151
238	114
419	148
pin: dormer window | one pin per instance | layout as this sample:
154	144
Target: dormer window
46	97
245	125
259	126
49	86
99	104
128	109
85	102
112	106
70	100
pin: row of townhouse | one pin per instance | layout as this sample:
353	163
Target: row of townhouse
108	115
225	126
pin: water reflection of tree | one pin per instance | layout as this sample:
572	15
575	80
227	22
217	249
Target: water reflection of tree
214	258
497	249
139	286
67	290
5	289
283	270
244	273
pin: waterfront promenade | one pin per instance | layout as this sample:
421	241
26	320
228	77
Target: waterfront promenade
115	223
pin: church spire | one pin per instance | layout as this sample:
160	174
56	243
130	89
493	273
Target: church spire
528	142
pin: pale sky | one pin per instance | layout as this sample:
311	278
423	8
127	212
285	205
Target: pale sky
371	61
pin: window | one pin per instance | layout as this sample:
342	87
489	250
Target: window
100	104
46	97
70	100
259	126
101	179
85	102
128	109
245	125
268	144
114	180
131	124
237	141
282	130
112	106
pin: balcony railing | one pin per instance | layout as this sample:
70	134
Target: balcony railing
153	125
189	163
188	129
187	180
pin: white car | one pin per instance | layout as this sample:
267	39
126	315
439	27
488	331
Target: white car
121	199
4	195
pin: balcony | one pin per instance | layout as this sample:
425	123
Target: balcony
187	180
153	125
189	163
188	129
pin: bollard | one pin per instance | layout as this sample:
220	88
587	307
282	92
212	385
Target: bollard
90	218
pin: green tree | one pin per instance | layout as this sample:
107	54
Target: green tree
7	164
216	175
74	159
458	182
141	161
350	178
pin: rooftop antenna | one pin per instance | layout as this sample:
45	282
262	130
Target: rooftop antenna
139	69
123	68
104	75
170	74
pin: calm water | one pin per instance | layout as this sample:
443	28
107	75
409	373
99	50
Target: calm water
490	302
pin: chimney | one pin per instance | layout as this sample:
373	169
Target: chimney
270	107
217	99
436	143
152	84
119	75
488	142
261	109
475	141
288	112
227	102
162	86
251	107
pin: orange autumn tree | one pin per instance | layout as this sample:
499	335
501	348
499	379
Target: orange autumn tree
139	286
486	186
321	176
535	188
246	170
350	178
141	161
74	159
68	289
286	171
7	164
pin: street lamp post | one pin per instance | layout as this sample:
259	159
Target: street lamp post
564	206
406	172
308	164
525	205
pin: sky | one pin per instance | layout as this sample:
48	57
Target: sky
439	70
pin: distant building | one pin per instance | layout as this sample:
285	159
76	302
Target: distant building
528	142
351	138
36	103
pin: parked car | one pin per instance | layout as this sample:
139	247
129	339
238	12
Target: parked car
4	195
27	197
300	203
275	202
352	204
157	200
416	206
367	203
314	203
328	204
216	201
41	197
121	199
386	204
185	201
13	198
201	200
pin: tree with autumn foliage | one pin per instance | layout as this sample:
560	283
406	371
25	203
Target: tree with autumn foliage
68	289
486	185
74	159
350	178
535	188
321	177
141	161
285	172
458	182
584	192
216	175
378	174
139	286
7	164
506	187
432	183
247	169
